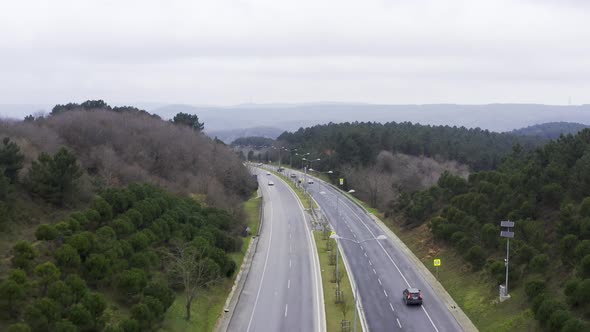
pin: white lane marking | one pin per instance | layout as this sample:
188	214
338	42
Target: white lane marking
289	235
321	314
370	262
365	254
374	271
290	249
430	319
289	263
363	249
398	323
346	203
263	270
391	306
354	235
385	293
379	281
289	283
287	308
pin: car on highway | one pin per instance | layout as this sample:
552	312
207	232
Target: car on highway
412	296
270	183
267	173
293	175
310	181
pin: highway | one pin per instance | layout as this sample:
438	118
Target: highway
380	270
283	290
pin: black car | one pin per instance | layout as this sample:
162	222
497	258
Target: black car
412	296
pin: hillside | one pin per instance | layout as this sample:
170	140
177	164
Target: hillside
360	142
100	210
550	130
546	192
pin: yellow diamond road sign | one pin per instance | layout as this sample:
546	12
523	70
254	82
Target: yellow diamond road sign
437	262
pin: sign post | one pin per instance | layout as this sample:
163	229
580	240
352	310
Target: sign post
341	181
437	263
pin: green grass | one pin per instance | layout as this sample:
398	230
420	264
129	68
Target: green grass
334	315
474	292
208	306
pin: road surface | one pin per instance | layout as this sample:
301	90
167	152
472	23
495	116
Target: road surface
380	270
283	289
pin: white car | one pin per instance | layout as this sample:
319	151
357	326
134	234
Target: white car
310	181
270	183
267	173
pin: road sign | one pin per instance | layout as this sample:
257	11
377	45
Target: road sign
507	234
437	262
508	224
332	233
341	181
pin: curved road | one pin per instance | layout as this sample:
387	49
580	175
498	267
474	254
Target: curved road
283	289
380	270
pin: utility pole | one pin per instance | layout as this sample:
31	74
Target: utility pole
337	244
508	234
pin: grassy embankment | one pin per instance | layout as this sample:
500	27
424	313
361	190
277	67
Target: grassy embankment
208	306
474	292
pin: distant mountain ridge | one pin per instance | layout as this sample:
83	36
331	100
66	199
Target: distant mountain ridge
551	130
290	117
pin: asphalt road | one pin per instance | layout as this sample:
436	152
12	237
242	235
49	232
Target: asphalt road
282	291
381	270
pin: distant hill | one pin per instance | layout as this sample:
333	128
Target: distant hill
290	117
230	135
551	130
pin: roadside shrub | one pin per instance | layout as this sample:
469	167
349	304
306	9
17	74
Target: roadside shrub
558	319
574	325
539	263
476	257
534	287
46	232
584	267
547	308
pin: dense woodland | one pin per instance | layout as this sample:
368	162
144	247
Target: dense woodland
547	193
134	244
106	214
550	130
359	143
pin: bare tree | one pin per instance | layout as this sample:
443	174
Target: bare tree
192	269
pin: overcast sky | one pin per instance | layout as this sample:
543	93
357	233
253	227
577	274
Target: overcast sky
262	51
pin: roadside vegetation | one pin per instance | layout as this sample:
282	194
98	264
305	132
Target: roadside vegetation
109	216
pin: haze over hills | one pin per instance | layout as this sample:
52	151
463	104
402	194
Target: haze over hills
495	117
220	120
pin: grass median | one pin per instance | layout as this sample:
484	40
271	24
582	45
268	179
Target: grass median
335	312
303	197
208	306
